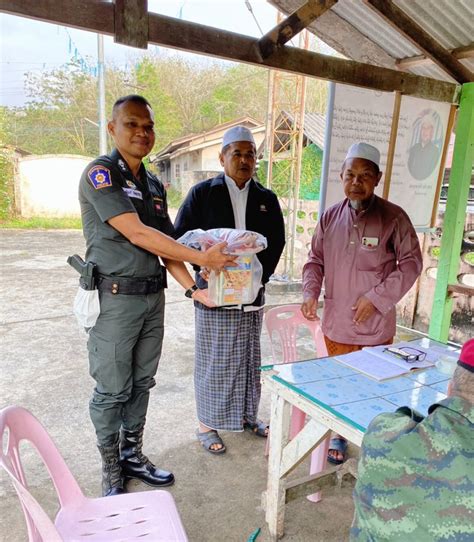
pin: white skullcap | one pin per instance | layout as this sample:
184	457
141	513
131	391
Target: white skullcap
427	119
237	133
365	151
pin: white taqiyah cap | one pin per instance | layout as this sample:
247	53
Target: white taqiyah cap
364	150
237	133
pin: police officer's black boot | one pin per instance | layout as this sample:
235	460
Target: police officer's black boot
137	465
113	481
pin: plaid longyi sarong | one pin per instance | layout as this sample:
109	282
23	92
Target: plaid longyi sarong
227	367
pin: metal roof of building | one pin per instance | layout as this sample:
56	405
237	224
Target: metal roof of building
449	22
315	127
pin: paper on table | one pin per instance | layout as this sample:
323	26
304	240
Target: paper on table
380	351
374	362
371	365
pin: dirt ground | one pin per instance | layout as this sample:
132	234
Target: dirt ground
44	368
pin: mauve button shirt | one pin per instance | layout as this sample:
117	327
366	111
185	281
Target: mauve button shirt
340	253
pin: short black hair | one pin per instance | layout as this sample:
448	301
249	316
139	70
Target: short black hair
134	98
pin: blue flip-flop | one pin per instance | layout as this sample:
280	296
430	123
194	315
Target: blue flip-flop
337	444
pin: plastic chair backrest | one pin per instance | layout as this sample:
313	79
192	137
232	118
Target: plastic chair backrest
285	321
22	425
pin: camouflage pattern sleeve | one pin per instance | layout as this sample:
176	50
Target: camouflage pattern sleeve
416	477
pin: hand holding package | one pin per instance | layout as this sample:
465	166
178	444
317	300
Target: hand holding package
239	284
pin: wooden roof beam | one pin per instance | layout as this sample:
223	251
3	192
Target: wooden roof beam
342	37
292	25
98	16
460	52
131	23
398	19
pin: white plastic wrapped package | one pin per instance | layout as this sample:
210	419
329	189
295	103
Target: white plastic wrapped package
238	241
86	307
239	284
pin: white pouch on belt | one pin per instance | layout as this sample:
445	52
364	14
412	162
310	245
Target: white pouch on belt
87	307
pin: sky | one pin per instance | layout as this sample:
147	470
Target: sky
27	45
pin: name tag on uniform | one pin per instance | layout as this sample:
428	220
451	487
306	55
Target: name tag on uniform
132	193
370	242
158	202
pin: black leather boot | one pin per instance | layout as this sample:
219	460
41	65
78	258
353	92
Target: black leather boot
137	465
112	478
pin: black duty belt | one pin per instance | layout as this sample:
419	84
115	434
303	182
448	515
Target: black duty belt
131	286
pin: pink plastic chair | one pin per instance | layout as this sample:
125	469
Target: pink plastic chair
148	515
285	321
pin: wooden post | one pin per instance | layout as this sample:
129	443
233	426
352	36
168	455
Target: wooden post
131	23
392	143
455	215
279	436
449	129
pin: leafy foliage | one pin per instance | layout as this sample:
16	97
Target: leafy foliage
6	170
187	96
310	180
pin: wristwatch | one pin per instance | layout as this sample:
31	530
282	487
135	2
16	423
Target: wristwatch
190	291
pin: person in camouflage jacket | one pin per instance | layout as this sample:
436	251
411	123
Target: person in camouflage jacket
416	475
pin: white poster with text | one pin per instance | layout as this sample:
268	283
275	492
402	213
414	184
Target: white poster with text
366	115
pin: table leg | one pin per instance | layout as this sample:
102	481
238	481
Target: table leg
279	437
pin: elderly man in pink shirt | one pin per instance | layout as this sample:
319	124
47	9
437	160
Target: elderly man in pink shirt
366	250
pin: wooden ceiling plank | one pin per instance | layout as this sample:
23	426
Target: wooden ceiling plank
292	25
206	40
459	53
410	61
399	20
131	23
464	52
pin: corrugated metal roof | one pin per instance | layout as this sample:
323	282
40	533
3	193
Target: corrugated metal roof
186	141
449	22
367	22
314	128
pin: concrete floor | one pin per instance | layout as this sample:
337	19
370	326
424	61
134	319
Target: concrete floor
44	368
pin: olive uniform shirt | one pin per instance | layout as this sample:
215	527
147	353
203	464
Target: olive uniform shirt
107	189
416	476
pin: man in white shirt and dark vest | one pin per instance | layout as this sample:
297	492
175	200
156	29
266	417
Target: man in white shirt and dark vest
227	368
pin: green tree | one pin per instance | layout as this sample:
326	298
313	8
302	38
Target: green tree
316	95
148	80
242	92
192	96
311	165
6	168
61	116
310	179
63	100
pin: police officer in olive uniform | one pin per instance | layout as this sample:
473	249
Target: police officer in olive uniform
126	226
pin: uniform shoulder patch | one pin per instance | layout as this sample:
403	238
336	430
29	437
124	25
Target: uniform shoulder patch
100	177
